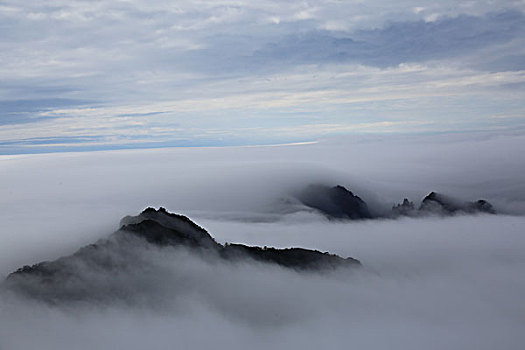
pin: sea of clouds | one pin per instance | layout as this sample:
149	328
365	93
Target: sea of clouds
430	283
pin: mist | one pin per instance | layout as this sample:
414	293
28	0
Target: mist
426	282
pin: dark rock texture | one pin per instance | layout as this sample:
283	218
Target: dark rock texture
119	265
335	202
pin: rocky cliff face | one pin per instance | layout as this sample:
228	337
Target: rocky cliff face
94	272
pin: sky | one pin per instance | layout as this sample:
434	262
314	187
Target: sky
94	75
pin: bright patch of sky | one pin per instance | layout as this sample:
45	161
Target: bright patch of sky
79	75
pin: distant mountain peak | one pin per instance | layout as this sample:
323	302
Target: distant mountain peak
338	202
335	202
440	203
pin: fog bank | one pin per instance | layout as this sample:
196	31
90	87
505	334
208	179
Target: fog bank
430	282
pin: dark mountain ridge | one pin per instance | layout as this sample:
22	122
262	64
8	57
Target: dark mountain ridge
93	271
341	204
447	205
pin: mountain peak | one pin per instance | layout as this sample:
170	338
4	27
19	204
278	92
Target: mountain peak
335	202
71	278
162	227
440	203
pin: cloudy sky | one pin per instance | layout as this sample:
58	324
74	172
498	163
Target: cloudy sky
82	75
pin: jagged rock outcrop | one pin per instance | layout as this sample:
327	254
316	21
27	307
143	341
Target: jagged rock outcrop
335	202
94	271
407	208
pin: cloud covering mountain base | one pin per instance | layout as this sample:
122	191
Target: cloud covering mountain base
426	282
429	283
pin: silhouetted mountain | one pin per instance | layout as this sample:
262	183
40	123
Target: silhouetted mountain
441	204
335	202
93	272
339	203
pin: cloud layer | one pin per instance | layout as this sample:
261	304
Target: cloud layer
426	282
83	75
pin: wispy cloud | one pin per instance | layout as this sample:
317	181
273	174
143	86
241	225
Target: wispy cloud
120	70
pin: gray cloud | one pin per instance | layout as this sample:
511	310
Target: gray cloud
245	183
426	282
398	42
458	276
